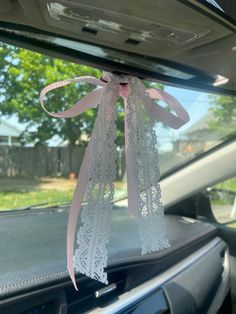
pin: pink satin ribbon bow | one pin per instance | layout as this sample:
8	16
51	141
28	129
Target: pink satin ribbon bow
118	86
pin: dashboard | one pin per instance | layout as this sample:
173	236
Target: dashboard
181	279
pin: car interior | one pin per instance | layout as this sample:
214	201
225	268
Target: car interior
188	46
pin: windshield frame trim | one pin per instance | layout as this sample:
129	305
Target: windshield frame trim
72	55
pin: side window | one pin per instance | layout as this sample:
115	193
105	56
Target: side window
223	201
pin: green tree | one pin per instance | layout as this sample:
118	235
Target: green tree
24	73
223	110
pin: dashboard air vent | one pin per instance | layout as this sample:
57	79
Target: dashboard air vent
89	294
132	41
89	30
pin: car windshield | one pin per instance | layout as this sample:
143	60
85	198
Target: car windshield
40	156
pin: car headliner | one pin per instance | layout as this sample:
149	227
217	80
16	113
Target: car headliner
209	54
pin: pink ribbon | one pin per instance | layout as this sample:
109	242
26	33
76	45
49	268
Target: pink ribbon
92	100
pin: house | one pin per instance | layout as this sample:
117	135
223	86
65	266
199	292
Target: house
199	137
201	134
9	134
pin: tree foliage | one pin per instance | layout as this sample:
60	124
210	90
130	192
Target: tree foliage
24	73
223	119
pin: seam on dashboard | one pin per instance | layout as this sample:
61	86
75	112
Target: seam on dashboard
33	280
127	259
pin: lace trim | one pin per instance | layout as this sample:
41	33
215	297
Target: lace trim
145	163
91	255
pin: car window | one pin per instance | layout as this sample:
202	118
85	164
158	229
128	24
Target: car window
40	156
223	201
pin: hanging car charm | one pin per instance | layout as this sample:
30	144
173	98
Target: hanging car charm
98	169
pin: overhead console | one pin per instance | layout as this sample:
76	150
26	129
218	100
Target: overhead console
184	48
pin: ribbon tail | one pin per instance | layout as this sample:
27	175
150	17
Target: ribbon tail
90	100
91	254
173	121
131	187
142	166
77	200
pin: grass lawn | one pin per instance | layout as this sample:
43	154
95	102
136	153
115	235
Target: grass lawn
14	200
21	192
229	185
231	225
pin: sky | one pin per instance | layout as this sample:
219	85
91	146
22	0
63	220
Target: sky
196	103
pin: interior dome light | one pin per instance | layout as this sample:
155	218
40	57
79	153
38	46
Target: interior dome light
68	14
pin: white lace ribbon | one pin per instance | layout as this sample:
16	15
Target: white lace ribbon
91	255
98	169
145	164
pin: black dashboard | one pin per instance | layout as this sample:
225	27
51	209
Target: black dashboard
34	279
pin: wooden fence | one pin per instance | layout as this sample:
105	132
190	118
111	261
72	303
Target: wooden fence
43	161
